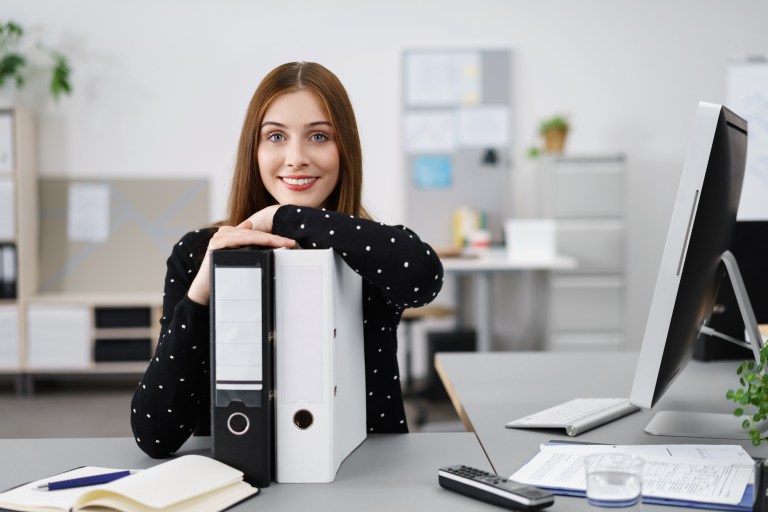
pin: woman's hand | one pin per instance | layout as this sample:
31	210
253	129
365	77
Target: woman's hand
229	237
261	220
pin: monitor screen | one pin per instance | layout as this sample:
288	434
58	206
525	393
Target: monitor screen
700	230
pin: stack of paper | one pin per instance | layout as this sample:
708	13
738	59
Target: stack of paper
687	475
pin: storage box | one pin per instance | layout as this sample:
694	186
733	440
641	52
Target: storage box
531	239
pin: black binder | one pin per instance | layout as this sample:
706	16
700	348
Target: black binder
242	337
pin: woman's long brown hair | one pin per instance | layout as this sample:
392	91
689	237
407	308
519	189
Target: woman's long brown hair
248	194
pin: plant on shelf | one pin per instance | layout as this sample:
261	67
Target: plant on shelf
752	398
14	64
554	131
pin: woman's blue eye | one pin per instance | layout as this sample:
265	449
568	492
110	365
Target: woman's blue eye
319	137
275	137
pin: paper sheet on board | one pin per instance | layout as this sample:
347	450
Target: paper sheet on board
88	212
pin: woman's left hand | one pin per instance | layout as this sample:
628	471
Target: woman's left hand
261	220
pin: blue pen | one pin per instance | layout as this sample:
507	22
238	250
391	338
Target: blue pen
83	481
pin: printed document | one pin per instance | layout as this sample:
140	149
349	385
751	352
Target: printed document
696	473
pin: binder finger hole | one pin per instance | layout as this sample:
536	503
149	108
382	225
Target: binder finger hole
303	419
238	423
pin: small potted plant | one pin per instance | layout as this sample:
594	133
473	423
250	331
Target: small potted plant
13	64
752	398
554	131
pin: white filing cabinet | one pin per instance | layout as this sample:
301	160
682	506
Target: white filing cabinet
586	195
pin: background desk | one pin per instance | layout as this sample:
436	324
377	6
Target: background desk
481	270
386	473
489	390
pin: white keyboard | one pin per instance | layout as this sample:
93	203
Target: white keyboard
577	415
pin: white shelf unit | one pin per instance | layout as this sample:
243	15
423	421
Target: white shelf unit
66	332
18	232
587	197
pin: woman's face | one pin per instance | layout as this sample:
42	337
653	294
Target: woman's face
297	153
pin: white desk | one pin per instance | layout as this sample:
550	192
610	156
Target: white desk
482	269
489	390
386	473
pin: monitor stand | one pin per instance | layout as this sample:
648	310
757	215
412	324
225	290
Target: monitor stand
716	425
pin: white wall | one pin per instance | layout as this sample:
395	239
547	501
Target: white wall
161	86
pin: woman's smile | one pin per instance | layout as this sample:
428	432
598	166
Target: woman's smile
298	183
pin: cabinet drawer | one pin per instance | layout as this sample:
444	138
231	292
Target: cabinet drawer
59	336
9	337
121	349
597	245
586	303
109	317
587	191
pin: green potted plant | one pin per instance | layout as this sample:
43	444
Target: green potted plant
14	64
554	131
752	397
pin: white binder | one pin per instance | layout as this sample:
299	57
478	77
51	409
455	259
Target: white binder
319	364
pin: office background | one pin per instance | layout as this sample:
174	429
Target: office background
160	89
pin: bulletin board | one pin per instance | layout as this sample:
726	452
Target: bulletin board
119	236
456	139
748	97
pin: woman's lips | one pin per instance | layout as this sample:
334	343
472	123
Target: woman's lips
298	183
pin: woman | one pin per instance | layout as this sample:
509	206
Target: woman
297	181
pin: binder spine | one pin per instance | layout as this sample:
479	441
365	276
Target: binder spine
242	336
303	407
320	379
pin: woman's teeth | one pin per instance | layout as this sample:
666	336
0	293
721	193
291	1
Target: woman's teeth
300	181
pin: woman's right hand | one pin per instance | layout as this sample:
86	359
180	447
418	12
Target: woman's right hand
230	237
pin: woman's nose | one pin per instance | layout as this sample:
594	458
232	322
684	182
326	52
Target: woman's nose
296	157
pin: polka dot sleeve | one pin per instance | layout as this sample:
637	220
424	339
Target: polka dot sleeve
391	258
168	402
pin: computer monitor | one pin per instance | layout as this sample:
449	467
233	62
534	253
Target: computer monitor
694	263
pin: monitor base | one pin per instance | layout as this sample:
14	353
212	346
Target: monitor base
698	424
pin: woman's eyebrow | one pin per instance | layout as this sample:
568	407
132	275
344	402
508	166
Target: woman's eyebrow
308	125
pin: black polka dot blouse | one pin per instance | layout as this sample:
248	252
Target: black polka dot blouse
399	271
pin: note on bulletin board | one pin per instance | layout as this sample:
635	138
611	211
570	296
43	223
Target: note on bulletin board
443	79
748	97
433	172
483	126
431	131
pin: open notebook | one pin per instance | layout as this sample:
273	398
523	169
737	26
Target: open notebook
190	483
578	415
